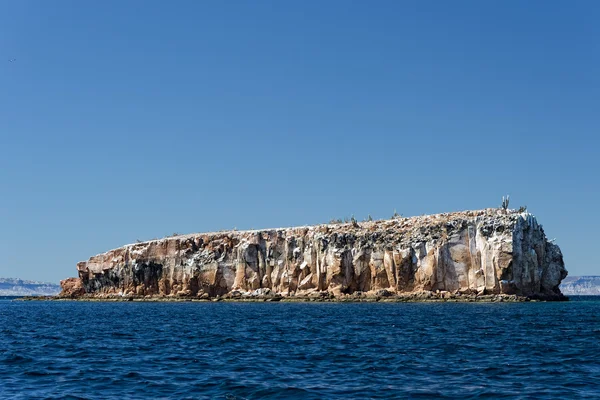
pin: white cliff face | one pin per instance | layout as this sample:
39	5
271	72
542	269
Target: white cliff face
489	251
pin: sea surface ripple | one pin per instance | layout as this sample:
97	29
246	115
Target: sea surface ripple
81	350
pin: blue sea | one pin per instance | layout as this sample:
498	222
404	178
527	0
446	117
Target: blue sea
83	350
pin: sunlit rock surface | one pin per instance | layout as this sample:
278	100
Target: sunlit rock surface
490	251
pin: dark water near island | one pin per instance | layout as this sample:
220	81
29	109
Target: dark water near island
304	351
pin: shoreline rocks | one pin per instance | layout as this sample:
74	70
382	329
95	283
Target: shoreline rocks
314	297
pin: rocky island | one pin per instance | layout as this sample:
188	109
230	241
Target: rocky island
490	254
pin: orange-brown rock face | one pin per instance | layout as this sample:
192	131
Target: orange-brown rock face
72	287
487	251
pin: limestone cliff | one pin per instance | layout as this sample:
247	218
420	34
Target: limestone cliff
489	251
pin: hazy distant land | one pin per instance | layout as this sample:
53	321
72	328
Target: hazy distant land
581	285
20	287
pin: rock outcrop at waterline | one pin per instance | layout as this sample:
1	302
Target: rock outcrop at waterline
492	251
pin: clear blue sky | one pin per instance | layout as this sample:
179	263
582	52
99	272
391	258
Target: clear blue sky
125	120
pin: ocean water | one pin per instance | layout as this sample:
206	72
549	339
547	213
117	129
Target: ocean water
59	350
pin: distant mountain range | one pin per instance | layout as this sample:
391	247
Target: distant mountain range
20	287
581	285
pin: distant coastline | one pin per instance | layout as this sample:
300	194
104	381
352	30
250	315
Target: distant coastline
14	287
588	285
